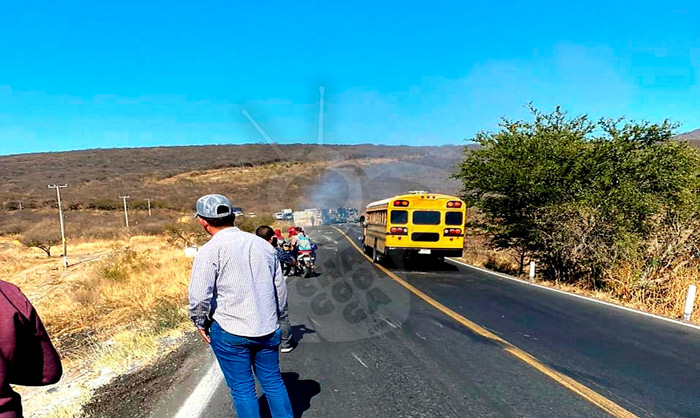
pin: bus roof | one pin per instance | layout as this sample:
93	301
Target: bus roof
410	195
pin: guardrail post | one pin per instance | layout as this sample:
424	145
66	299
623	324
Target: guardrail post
689	302
532	272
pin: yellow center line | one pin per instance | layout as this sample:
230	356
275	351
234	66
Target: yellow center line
573	385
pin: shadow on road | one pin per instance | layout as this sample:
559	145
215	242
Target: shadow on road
298	332
418	264
300	393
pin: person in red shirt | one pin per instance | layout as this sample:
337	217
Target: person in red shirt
27	357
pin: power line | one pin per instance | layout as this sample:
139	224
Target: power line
60	217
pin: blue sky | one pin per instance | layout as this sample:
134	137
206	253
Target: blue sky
79	74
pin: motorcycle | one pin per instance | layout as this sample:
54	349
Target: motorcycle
305	263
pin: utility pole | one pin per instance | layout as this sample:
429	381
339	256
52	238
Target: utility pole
149	206
321	90
60	217
126	213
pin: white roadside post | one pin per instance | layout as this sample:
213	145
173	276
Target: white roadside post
190	252
532	272
689	302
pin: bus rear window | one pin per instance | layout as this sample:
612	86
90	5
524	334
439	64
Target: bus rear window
399	216
453	218
424	217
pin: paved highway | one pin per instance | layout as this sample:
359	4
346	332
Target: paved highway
370	347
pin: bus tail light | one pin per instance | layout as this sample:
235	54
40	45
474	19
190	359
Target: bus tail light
396	230
453	232
401	203
454	204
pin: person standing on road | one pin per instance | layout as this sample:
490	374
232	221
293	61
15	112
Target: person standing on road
27	356
268	234
235	293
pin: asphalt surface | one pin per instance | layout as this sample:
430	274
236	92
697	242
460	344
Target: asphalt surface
368	347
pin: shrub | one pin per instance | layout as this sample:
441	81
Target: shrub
10	206
587	198
44	236
250	224
137	204
105	204
188	233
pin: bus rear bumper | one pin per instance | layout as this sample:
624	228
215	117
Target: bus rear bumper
433	252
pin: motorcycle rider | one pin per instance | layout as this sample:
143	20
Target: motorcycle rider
280	237
301	242
292	232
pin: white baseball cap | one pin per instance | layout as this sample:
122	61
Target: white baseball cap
213	206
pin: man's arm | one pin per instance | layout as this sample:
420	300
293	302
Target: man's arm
280	288
201	290
27	356
52	368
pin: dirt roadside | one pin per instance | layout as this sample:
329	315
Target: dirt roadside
159	388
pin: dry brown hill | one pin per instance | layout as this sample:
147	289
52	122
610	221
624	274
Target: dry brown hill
693	137
262	178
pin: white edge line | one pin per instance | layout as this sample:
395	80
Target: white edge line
391	324
199	399
360	360
515	279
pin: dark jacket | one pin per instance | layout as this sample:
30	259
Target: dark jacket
283	256
27	356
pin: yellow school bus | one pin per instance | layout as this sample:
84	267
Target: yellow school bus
415	223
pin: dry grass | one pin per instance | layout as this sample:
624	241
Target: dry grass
139	286
118	309
666	298
476	252
251	175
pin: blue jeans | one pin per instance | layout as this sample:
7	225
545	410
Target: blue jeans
239	357
285	329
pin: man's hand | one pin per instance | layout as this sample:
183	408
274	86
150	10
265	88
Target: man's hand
205	336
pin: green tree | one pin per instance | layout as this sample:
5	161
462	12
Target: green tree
584	197
524	167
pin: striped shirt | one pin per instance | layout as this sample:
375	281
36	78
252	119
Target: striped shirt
237	282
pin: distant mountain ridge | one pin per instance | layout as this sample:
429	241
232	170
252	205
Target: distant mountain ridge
256	176
692	136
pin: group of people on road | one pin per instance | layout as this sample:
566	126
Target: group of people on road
237	302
